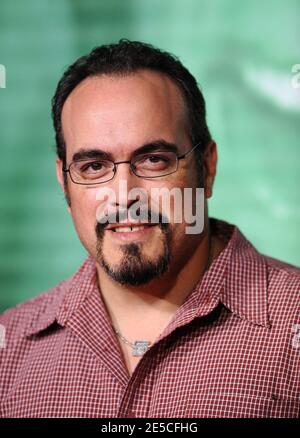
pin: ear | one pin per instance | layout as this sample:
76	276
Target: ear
210	159
61	181
59	173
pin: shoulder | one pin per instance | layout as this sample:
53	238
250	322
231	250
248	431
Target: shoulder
282	267
282	276
16	321
41	311
278	277
265	288
283	288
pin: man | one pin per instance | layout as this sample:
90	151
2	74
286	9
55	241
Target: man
158	321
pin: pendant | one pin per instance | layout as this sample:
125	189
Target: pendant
140	348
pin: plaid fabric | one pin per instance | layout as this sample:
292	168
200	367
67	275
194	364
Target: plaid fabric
231	350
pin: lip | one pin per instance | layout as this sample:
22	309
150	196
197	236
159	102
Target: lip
131	235
127	224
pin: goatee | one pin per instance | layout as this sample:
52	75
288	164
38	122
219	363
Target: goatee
135	269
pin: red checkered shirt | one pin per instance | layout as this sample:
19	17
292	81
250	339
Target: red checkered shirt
231	350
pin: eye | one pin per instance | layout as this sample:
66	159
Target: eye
96	165
156	159
93	169
155	162
93	166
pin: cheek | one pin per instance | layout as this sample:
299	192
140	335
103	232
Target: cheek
83	207
170	200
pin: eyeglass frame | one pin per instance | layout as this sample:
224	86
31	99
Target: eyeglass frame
116	163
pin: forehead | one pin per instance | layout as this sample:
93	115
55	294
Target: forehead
122	112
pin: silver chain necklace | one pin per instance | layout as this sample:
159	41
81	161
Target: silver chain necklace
139	348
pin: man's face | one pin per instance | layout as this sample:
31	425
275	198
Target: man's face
119	115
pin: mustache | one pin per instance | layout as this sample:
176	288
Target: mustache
122	215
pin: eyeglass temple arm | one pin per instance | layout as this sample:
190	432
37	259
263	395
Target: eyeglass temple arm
188	152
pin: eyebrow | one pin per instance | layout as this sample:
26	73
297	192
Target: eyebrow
157	145
153	146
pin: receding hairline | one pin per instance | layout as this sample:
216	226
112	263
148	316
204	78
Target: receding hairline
181	99
180	102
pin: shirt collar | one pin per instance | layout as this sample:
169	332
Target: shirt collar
245	290
237	278
68	297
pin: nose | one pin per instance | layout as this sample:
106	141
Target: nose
124	181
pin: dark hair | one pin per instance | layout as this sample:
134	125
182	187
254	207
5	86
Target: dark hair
127	57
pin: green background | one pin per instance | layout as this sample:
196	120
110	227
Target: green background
241	52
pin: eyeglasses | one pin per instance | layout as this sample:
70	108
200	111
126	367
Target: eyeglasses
149	165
